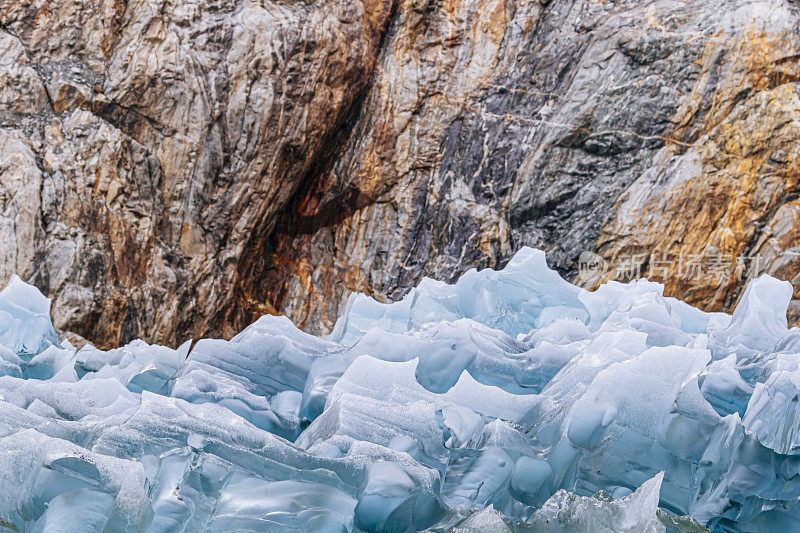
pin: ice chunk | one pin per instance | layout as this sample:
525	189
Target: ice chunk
411	426
758	321
25	326
250	504
550	407
650	314
54	363
525	295
487	521
724	387
42	480
464	425
10	363
387	500
612	296
694	321
445	351
532	480
772	414
385	380
600	513
137	365
476	480
269	357
94	400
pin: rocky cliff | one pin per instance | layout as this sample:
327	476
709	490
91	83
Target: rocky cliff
180	168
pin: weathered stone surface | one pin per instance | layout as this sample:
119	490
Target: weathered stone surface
624	128
181	168
147	148
725	198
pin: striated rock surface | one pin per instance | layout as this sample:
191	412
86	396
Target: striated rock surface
146	148
188	166
653	134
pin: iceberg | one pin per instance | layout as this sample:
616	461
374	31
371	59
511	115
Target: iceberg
25	327
508	401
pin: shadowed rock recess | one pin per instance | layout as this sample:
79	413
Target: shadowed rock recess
176	169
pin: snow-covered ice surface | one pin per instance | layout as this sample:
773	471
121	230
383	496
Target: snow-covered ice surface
509	401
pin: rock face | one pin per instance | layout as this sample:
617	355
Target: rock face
181	168
147	147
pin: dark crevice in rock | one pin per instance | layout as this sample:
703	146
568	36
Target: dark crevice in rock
36	68
335	207
126	119
257	286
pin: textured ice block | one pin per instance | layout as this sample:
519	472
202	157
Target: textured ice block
508	401
25	326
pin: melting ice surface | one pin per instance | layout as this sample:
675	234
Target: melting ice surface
509	401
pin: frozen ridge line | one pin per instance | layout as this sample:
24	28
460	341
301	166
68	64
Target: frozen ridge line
509	401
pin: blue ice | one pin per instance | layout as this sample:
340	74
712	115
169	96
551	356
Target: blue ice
508	401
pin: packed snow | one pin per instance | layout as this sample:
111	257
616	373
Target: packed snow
508	401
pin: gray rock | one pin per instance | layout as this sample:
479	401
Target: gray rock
178	172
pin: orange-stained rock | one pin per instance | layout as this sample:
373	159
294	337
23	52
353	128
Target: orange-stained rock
151	148
707	217
662	136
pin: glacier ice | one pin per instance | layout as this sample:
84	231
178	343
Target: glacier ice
25	327
508	401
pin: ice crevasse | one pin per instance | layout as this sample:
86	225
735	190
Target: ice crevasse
508	401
